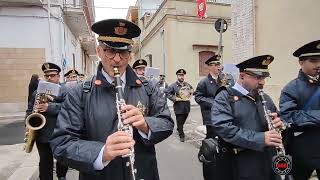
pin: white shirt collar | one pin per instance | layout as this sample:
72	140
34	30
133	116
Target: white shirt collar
241	89
111	79
213	76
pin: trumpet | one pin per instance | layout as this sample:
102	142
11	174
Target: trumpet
124	127
35	121
281	162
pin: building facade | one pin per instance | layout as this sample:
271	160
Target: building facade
174	37
277	28
38	31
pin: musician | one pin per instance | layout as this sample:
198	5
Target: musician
139	67
87	136
71	75
300	105
161	84
204	96
50	111
81	77
180	94
238	119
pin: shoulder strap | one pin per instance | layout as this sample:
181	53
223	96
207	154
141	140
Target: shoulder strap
311	99
87	84
232	99
147	87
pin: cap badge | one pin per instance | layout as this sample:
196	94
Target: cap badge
181	71
141	108
140	61
267	61
120	30
46	65
318	46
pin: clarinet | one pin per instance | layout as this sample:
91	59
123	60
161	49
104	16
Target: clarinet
315	79
124	127
281	162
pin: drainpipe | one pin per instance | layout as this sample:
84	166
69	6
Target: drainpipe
254	26
50	34
163	52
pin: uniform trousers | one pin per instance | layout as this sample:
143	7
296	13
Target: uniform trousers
46	163
208	169
181	119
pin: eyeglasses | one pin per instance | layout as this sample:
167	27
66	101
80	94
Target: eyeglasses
259	77
50	75
111	53
214	64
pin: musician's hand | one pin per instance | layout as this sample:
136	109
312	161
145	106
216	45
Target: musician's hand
276	121
117	144
43	107
272	138
134	117
26	132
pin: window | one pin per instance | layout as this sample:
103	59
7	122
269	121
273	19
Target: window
203	56
73	61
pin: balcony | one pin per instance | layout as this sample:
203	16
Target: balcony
88	43
76	17
20	2
132	14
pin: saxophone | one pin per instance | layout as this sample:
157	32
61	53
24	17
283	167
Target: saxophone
124	127
281	162
35	121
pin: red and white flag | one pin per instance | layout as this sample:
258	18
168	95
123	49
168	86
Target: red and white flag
202	8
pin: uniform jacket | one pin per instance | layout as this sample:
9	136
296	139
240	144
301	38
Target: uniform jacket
172	92
293	98
240	122
162	85
204	96
44	134
87	119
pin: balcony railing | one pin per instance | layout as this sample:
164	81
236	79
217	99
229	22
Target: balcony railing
28	2
220	1
72	3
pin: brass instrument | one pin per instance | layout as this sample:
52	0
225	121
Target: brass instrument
185	93
281	163
225	79
124	127
34	122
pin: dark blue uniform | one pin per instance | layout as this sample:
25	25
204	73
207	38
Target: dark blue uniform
44	135
181	106
238	120
87	119
304	145
204	96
